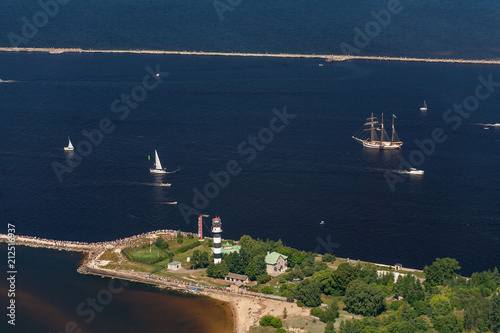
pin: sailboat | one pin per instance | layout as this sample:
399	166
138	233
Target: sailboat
157	167
70	145
424	108
373	141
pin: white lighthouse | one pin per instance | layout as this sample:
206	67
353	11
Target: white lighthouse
216	231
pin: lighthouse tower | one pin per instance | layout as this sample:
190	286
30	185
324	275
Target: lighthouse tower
216	231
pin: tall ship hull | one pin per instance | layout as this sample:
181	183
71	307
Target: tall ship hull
373	141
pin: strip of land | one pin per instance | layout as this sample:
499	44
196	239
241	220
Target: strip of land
105	259
327	57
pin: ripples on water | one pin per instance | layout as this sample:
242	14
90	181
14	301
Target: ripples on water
312	171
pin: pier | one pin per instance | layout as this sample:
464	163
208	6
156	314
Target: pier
327	57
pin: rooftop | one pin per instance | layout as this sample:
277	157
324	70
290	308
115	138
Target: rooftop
272	258
237	276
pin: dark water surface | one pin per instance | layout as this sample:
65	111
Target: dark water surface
311	171
422	28
50	293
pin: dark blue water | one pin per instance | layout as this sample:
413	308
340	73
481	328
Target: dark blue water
311	171
423	28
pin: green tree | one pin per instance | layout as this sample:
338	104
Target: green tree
440	271
326	280
200	259
440	304
234	262
330	328
263	278
250	271
309	293
361	298
368	273
344	275
217	270
448	324
410	288
495	313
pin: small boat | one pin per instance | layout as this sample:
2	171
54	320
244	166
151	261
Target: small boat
414	171
70	145
424	108
320	65
373	141
486	128
157	166
322	223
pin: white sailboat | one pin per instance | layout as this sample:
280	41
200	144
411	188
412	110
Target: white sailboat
424	108
157	167
70	145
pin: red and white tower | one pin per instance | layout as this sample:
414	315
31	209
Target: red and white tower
216	231
200	227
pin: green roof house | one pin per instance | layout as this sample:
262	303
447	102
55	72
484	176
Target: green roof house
276	263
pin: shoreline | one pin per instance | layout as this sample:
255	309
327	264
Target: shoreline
327	57
247	307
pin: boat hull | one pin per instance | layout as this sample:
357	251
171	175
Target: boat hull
157	171
69	148
381	145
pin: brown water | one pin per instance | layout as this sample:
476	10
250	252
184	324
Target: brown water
50	294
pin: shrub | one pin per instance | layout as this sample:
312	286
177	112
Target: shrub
263	278
327	257
267	290
396	304
188	247
271	321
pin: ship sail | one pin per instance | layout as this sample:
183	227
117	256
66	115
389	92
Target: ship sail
373	141
70	145
157	161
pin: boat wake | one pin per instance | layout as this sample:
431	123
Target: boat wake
489	125
178	168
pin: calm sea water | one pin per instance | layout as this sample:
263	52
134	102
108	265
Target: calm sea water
207	106
49	294
311	171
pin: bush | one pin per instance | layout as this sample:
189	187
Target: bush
327	257
188	247
396	304
267	290
263	278
280	330
271	321
190	236
326	315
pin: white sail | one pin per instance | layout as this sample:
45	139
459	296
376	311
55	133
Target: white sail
157	161
70	145
425	105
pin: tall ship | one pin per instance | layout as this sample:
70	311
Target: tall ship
373	141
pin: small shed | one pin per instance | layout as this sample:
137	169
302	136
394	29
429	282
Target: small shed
232	277
174	265
235	286
398	267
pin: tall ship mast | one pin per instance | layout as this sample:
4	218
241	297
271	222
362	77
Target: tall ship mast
373	141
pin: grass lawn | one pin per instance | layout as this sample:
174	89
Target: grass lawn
145	255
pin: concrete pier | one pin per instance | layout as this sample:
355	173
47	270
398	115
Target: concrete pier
327	57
